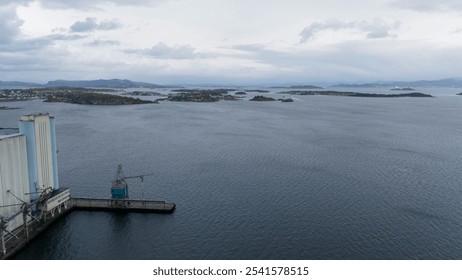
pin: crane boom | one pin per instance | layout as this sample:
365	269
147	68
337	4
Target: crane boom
138	176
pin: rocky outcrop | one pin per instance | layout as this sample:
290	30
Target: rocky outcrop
143	93
7	108
262	98
257	90
230	97
193	97
201	95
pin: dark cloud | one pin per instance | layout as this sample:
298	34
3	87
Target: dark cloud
429	5
91	25
163	51
372	29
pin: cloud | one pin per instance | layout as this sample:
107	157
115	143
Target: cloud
10	24
91	4
12	40
23	45
429	5
366	60
102	43
372	29
14	2
163	51
91	25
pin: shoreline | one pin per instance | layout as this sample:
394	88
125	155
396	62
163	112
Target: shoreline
90	96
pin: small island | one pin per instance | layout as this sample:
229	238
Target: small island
201	95
7	108
459	93
262	98
257	90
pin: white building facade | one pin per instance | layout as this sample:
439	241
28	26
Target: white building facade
28	165
14	177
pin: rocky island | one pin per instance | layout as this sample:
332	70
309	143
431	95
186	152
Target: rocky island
87	98
143	93
7	108
83	96
262	98
200	95
256	90
355	94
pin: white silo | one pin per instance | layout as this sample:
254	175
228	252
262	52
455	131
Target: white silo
14	180
39	130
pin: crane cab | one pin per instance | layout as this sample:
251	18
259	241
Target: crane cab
119	189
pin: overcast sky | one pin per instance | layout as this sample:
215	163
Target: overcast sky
230	41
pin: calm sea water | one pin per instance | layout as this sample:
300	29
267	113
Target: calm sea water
320	178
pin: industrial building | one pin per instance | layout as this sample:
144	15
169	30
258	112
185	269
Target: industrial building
30	196
29	188
14	177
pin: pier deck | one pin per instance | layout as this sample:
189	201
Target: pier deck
126	205
34	228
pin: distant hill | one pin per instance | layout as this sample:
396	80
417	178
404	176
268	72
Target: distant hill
113	83
305	87
452	82
18	84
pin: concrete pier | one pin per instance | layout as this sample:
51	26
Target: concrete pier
24	235
124	205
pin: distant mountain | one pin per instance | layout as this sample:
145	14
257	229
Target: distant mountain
18	84
452	82
305	87
113	83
